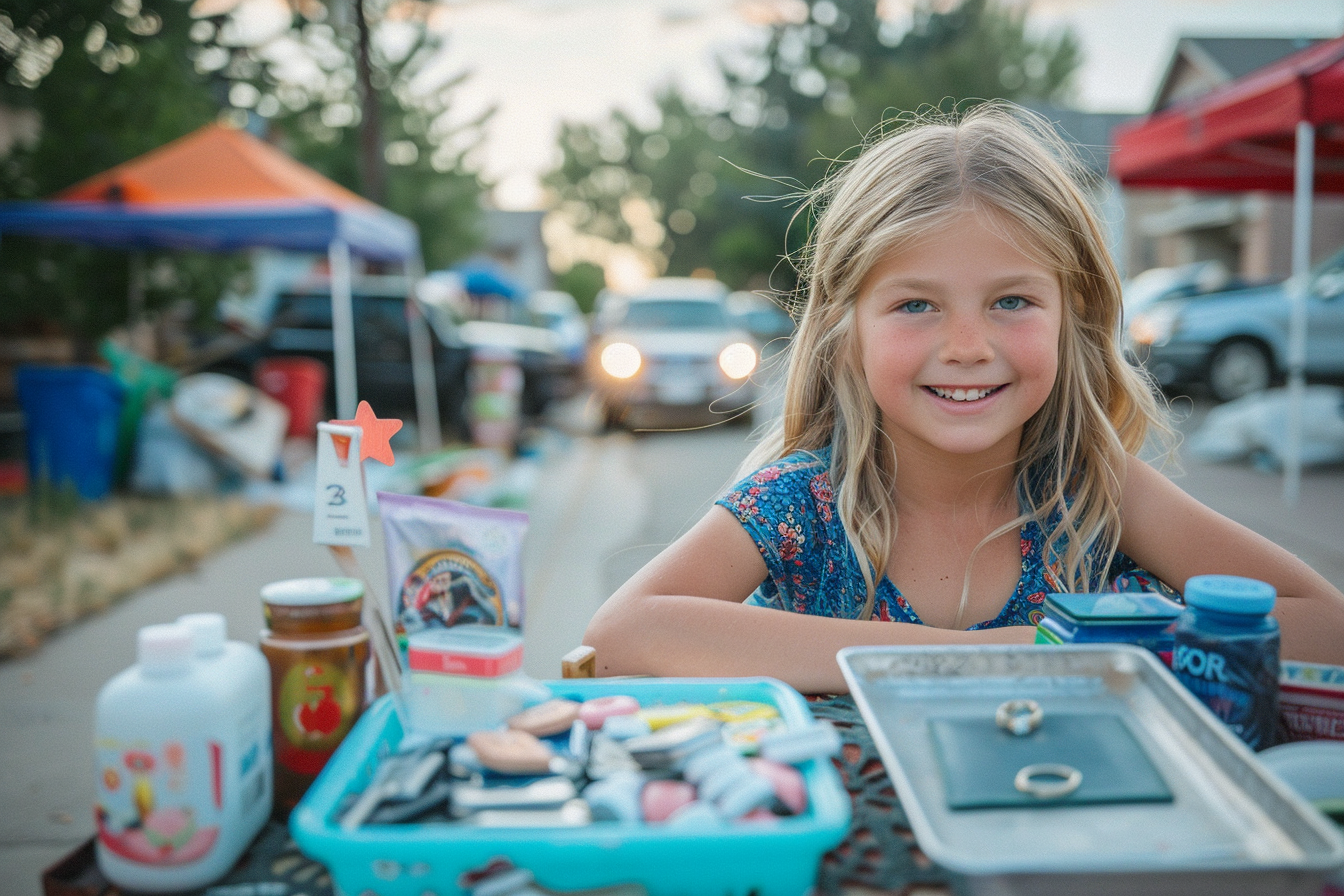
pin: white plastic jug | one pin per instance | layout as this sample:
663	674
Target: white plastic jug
240	672
179	783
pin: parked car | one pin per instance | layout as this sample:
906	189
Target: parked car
763	317
669	348
559	312
301	325
1182	281
1236	342
609	306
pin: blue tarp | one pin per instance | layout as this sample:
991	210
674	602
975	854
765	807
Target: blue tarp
370	232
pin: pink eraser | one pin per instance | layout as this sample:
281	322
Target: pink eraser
790	788
597	710
660	798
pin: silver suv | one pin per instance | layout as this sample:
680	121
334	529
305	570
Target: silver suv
1236	342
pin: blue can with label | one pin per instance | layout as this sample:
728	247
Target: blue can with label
1227	653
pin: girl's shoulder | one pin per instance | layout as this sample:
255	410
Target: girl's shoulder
796	486
799	471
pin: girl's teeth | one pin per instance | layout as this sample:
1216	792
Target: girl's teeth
962	394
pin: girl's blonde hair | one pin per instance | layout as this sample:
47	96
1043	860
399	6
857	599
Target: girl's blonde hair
1011	166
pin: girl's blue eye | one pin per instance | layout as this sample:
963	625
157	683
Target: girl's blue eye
1011	303
915	306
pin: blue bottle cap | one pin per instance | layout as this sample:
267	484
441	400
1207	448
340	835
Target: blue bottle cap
1230	594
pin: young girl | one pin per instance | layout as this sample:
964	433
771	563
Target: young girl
959	438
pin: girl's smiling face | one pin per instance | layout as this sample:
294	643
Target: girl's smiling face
958	336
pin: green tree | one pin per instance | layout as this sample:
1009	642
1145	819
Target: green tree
74	76
304	83
583	281
724	184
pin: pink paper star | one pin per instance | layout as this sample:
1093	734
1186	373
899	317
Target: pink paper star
377	439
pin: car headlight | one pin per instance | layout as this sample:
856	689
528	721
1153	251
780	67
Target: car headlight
737	361
1156	325
621	360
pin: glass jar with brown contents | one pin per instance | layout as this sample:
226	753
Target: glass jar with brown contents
319	657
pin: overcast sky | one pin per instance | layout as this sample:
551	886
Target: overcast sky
542	61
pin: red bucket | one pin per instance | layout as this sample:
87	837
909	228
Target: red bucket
299	384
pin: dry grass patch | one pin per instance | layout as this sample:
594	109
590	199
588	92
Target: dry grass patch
61	559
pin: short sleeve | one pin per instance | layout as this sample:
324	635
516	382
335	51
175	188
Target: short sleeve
788	510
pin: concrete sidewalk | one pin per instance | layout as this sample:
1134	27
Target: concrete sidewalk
578	517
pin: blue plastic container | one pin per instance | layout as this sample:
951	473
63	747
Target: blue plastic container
72	416
1146	620
410	860
1227	654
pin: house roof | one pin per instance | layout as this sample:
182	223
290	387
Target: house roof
1199	64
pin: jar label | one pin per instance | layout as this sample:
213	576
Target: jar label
316	706
1237	679
159	803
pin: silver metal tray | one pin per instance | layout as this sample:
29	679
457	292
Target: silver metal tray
1232	827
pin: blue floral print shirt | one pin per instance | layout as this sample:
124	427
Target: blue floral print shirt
788	509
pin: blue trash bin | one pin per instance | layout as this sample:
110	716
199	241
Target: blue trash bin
71	414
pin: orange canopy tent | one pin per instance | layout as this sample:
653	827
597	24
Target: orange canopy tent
222	189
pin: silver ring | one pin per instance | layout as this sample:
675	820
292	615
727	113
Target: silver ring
1019	717
1048	780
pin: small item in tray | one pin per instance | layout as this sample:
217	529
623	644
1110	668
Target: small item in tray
751	791
607	757
723	778
661	798
580	740
729	711
433	800
399	777
662	716
546	719
543	793
816	741
618	797
625	727
572	814
664	748
512	752
702	763
696	816
596	710
790	788
746	736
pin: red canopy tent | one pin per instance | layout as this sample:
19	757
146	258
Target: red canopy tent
1281	129
1242	136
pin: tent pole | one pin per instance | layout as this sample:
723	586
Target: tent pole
342	330
422	362
1304	168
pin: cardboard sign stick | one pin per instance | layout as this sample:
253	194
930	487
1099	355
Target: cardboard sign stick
383	642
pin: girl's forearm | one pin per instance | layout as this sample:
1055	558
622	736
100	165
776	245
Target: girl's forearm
1312	629
676	635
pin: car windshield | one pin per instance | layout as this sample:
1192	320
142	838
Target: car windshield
674	314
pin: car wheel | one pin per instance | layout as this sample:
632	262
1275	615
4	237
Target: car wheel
1239	368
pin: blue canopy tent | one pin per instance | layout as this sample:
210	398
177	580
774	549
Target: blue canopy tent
220	189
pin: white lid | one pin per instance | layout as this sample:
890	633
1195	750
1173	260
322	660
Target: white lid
312	592
164	648
208	631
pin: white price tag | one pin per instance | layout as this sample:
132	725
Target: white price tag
340	505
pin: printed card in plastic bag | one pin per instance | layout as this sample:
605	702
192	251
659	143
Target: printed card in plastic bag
451	564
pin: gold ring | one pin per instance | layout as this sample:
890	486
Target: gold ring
1019	717
1048	780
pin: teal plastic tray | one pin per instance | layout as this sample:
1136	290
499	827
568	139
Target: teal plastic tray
769	858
